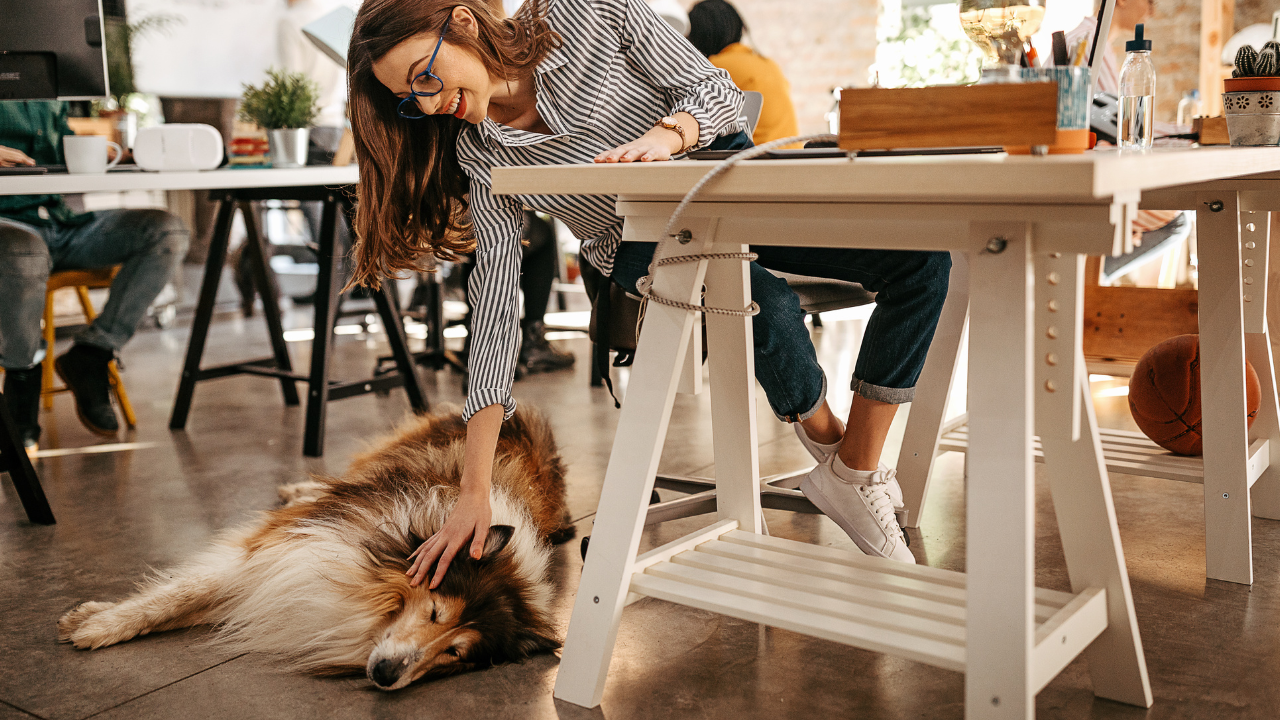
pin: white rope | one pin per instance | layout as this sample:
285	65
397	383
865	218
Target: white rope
645	284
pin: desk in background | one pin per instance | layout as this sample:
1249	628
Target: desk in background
235	189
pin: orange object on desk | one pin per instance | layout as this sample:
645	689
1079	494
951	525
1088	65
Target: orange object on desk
1068	142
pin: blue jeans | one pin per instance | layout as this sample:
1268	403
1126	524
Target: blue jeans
911	288
148	244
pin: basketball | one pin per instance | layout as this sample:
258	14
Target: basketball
1164	394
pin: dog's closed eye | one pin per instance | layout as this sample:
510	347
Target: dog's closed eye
451	650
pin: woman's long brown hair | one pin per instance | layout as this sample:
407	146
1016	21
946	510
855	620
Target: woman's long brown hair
412	191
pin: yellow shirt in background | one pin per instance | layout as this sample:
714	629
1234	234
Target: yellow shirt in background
751	71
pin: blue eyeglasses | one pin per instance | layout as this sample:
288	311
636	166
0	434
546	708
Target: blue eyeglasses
425	84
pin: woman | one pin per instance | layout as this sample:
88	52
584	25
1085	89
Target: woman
715	28
441	92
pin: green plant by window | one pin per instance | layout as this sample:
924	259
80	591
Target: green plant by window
285	101
921	46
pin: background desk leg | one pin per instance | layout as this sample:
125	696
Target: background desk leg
204	313
326	307
731	354
1000	505
1228	547
14	460
929	409
265	279
633	462
1078	479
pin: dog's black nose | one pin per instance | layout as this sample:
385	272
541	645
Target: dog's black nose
385	673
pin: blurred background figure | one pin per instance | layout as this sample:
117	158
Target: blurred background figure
716	28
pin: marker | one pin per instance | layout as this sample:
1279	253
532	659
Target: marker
1060	56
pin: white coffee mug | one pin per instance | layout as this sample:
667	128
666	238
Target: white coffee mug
87	154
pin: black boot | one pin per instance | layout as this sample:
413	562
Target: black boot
84	369
537	355
22	393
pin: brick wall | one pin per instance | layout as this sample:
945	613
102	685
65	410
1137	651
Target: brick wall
819	44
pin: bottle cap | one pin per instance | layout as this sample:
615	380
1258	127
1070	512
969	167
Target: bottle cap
1137	44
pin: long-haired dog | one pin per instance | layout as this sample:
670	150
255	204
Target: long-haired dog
321	581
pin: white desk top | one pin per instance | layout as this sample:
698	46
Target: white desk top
63	183
1089	178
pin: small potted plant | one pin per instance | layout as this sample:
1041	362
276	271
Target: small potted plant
1252	100
285	107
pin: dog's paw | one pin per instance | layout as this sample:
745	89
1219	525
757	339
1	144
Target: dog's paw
71	622
300	492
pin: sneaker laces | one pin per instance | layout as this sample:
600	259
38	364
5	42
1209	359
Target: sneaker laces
876	491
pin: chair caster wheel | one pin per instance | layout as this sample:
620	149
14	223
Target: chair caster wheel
586	540
654	498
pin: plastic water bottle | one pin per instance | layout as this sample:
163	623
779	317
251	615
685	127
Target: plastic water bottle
1137	94
1188	107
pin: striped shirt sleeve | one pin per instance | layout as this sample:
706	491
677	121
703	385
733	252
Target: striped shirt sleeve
495	303
672	63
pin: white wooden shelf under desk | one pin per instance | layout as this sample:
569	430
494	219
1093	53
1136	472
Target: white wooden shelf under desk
1017	229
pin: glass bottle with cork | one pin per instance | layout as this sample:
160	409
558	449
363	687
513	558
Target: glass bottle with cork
1137	94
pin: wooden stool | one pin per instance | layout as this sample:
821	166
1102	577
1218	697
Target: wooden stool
82	281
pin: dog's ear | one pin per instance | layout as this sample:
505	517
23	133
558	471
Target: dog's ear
532	642
499	536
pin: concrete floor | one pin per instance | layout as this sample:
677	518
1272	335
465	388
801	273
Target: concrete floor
1211	647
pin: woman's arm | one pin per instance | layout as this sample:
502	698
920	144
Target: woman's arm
695	86
657	144
493	294
469	521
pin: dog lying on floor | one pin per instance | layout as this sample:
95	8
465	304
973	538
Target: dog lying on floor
321	581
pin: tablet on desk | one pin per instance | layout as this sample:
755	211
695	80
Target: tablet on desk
23	170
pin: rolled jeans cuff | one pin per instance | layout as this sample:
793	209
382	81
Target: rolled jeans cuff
892	396
801	417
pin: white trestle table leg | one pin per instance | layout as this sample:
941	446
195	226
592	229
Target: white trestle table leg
731	354
929	409
1078	478
1256	231
1228	548
633	462
1000	505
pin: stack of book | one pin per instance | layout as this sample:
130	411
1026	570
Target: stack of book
248	152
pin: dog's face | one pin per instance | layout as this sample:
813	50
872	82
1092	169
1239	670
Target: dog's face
480	615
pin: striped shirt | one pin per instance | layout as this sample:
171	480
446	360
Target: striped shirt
620	69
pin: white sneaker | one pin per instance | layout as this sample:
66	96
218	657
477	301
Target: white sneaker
864	511
823	453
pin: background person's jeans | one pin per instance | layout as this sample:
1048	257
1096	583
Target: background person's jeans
911	287
148	244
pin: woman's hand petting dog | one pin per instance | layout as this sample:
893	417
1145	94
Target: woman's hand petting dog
468	523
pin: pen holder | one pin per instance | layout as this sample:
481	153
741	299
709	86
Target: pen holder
1073	108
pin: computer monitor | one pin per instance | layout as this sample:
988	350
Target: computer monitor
52	49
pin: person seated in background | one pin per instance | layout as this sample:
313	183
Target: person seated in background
40	234
715	28
538	270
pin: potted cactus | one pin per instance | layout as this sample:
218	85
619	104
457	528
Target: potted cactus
1256	69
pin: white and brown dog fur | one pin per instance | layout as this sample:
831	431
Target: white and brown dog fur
321	581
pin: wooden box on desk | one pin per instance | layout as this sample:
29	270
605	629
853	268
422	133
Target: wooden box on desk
952	116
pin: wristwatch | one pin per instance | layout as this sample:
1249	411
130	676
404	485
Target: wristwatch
672	124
